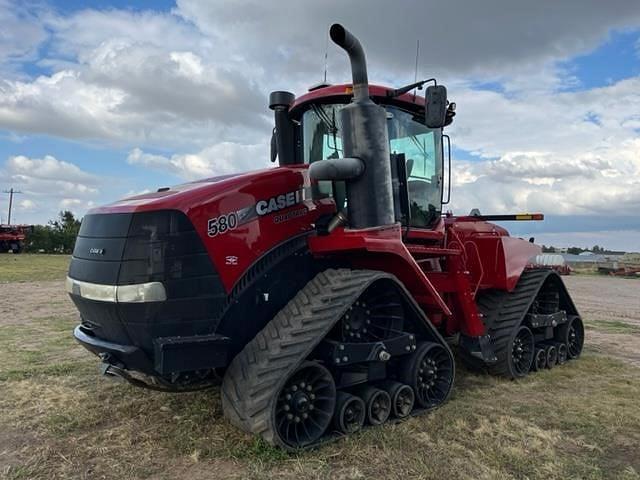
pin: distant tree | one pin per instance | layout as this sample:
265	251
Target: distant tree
66	230
575	250
58	236
549	249
40	238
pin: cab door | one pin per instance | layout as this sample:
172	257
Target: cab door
422	151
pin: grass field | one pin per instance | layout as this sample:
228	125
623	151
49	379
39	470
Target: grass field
28	267
60	419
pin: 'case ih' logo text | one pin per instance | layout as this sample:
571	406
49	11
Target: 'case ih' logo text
279	202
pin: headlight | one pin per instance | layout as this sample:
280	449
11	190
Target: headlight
138	293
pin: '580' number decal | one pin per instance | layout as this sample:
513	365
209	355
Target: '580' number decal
222	224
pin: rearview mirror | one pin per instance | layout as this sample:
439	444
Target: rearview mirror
435	104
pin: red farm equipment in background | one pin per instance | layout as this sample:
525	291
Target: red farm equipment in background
13	237
327	293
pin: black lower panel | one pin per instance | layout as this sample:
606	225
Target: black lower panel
186	354
102	319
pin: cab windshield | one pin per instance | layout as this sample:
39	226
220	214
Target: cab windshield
420	145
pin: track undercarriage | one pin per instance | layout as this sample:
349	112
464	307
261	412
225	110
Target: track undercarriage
352	349
536	326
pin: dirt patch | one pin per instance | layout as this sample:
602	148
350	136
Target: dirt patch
606	298
22	302
611	310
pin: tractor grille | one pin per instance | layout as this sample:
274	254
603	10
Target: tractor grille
134	248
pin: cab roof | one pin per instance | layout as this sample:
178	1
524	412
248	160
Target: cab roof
343	94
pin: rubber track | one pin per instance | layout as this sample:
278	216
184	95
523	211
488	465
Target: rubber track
257	373
504	311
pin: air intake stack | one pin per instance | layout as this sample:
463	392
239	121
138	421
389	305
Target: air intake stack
365	140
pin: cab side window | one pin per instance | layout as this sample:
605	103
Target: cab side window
420	147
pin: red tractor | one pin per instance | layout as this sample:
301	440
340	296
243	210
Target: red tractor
325	293
12	237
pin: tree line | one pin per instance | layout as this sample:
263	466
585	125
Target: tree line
578	250
58	236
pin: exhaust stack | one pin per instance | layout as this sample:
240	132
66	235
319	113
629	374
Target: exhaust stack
364	137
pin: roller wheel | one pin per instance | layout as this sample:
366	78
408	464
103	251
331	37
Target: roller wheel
305	405
539	360
350	413
378	404
429	372
561	348
552	356
402	398
572	333
522	352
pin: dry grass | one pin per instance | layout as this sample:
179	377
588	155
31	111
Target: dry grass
26	267
60	419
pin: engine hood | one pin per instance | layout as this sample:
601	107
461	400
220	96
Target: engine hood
187	196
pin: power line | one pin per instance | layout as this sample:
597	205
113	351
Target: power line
11	192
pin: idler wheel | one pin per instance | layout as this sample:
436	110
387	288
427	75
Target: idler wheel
522	351
305	405
572	333
429	372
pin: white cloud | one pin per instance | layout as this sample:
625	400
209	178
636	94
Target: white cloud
194	82
49	185
49	169
220	159
75	203
21	33
563	153
491	38
27	205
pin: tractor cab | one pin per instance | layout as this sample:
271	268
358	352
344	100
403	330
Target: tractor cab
416	150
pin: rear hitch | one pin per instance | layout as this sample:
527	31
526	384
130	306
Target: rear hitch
118	371
110	368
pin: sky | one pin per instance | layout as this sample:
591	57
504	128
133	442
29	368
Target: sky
104	99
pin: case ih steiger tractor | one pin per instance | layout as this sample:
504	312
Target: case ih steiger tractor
324	293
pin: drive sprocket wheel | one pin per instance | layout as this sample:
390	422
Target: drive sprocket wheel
429	371
376	315
305	405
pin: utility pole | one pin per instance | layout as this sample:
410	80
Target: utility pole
11	192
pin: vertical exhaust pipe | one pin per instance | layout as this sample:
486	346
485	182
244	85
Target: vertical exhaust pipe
365	137
344	39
